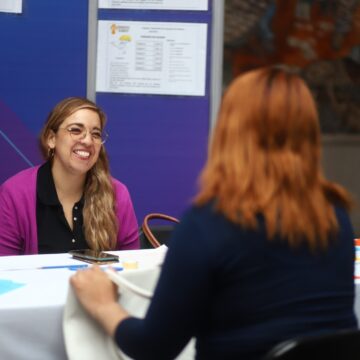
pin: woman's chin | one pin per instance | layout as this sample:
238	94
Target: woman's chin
81	167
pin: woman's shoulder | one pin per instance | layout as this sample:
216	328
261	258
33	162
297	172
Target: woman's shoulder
205	215
342	216
23	180
118	184
340	210
205	227
121	189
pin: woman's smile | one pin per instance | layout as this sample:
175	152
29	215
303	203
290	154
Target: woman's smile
82	154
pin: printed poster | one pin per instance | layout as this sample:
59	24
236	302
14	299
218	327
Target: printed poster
151	57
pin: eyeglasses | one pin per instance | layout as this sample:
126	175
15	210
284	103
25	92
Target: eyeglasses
78	132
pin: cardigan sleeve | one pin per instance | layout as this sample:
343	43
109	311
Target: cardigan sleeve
10	234
128	235
18	230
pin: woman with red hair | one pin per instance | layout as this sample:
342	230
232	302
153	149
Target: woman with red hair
265	253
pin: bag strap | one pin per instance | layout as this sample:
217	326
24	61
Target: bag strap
120	281
146	228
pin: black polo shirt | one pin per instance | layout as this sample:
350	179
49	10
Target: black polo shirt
54	232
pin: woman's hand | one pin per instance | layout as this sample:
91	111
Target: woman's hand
98	295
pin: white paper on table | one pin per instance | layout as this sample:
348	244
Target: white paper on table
24	262
145	259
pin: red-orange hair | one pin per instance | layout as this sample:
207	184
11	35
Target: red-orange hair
264	159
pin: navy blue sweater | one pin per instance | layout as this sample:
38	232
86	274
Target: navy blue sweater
239	293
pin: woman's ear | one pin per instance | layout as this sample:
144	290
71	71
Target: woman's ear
51	140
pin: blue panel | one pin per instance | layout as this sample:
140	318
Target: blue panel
43	57
158	143
156	150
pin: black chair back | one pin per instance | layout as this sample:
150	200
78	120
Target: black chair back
342	345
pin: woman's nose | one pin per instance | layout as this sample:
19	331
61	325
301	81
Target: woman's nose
87	137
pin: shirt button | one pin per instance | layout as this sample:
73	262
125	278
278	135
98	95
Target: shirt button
75	218
73	240
75	207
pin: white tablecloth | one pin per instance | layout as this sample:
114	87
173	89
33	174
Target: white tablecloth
31	315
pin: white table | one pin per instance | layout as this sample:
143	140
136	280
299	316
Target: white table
31	315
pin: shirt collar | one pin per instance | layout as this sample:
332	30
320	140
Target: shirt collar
46	190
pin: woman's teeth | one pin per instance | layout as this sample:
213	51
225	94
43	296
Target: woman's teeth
83	154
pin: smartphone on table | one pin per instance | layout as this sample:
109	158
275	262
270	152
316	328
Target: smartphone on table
94	256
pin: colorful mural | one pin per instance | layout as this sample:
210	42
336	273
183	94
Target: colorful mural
319	39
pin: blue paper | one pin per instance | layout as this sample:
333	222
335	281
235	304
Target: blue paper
8	285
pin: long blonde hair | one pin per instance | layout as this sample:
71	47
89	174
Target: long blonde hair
264	159
99	212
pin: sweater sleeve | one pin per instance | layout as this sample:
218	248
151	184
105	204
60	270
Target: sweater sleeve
128	235
176	310
10	238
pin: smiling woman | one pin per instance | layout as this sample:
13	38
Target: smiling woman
71	201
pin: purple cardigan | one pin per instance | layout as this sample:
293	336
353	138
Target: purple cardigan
18	229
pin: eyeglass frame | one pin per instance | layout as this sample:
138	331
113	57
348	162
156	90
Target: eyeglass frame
84	132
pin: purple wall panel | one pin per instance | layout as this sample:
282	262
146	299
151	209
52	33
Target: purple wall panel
157	146
18	146
157	143
43	57
43	60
